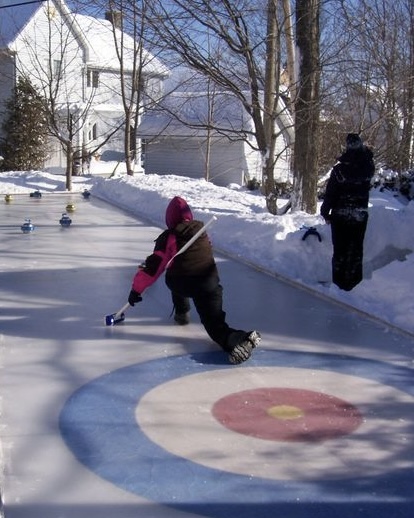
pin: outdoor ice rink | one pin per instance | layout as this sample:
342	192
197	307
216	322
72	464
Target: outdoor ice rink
148	419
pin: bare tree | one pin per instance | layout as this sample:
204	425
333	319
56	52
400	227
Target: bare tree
140	71
249	38
307	109
130	15
368	79
405	155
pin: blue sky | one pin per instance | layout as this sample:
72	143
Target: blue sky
13	18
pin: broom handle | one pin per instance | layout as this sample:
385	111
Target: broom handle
191	241
122	310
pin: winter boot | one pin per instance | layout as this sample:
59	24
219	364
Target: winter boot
243	347
182	319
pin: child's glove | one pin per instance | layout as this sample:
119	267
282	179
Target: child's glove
134	297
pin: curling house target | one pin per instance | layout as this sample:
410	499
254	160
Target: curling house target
166	429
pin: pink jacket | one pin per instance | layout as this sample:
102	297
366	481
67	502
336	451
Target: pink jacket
165	248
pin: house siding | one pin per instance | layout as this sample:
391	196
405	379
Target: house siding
108	91
230	162
43	42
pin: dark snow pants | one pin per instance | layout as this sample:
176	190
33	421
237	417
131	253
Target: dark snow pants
348	245
207	295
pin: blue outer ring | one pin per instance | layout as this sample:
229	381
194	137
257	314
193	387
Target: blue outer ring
98	424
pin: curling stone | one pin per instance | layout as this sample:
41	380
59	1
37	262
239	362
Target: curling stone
27	227
35	194
70	207
65	220
8	198
86	194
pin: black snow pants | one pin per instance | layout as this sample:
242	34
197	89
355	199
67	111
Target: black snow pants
348	244
207	295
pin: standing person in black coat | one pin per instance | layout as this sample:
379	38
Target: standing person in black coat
345	208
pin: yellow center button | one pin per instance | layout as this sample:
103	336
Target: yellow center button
285	412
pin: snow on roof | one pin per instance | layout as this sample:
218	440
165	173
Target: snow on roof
100	38
96	34
188	114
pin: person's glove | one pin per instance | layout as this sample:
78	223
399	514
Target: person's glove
134	297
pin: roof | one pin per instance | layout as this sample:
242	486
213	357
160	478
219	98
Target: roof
99	36
193	111
187	114
95	35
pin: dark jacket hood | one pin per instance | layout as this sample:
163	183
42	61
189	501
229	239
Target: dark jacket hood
356	155
177	212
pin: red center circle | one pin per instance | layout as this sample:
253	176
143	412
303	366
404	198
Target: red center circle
285	414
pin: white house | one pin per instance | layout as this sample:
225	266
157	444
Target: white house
72	59
176	139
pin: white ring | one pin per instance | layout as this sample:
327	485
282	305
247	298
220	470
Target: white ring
177	416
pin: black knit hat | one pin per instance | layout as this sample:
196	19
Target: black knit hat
353	141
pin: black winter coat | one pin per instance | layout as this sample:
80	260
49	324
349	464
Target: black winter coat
198	259
347	190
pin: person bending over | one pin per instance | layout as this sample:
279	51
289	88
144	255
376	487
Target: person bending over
192	275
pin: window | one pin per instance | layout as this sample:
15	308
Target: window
57	68
93	133
92	78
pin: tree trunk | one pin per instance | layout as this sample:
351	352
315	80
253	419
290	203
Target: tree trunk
127	145
69	166
404	155
267	146
290	52
307	107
